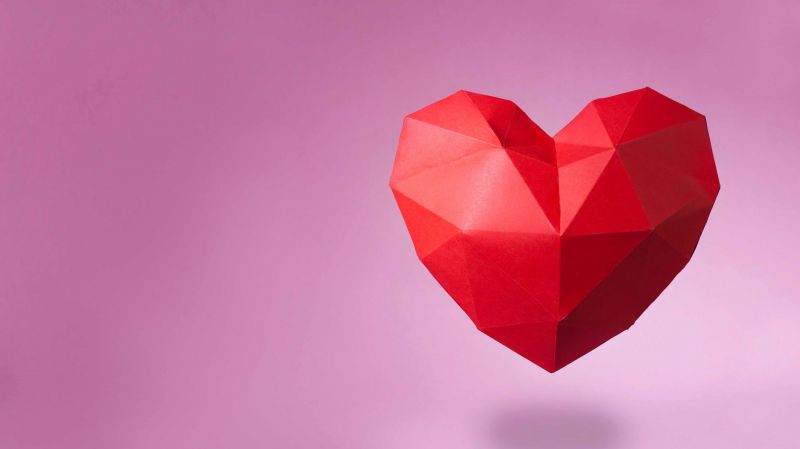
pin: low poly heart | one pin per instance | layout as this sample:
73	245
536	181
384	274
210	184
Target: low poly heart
554	245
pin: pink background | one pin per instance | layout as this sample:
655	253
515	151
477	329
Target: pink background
199	249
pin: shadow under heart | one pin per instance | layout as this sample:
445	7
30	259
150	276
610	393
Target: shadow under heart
563	427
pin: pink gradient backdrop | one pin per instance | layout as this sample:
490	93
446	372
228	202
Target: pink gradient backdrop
198	247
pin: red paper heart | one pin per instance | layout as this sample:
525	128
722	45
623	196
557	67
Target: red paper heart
554	245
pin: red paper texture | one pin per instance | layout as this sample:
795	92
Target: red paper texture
553	245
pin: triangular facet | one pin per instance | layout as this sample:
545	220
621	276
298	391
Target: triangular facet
569	153
611	206
616	111
587	260
531	260
542	180
428	231
576	180
448	265
483	191
524	136
682	230
534	341
670	167
424	146
655	112
497	112
480	192
459	113
586	129
502	301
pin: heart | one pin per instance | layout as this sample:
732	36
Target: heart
554	245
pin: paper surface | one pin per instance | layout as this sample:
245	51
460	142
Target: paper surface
552	246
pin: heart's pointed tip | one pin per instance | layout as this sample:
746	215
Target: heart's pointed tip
551	366
558	366
550	369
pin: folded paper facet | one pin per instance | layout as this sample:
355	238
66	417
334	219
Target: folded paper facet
552	246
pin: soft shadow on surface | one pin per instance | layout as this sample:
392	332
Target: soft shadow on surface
556	428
